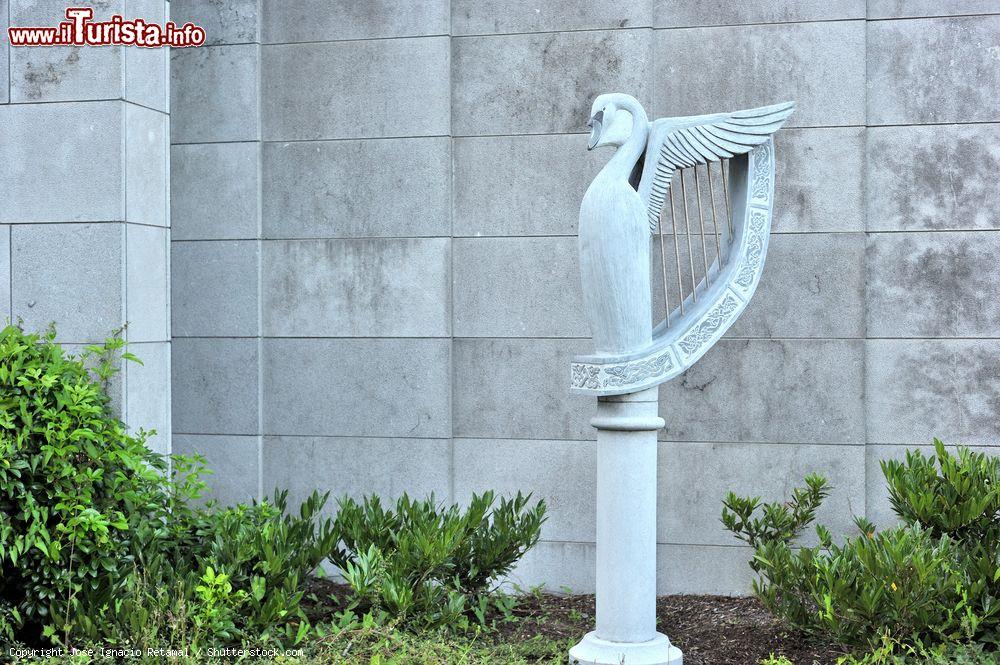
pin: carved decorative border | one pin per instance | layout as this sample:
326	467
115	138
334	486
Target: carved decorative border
712	325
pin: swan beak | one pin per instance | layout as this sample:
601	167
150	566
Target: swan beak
595	124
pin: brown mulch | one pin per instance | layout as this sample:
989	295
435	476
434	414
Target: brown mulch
710	630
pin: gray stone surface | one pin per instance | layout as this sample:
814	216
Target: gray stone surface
697	569
76	177
820	180
65	73
372	287
343	189
563	473
147	393
4	274
214	191
492	175
542	83
695	477
214	385
342	387
558	567
356	467
224	21
214	293
147	70
214	94
518	287
147	290
802	391
903	8
795	61
70	274
234	461
328	20
518	388
146	179
933	284
683	13
813	286
395	87
478	17
940	177
933	70
4	54
919	389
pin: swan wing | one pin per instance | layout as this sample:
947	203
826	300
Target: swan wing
675	143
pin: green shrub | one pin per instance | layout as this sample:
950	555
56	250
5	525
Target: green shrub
931	580
73	482
426	565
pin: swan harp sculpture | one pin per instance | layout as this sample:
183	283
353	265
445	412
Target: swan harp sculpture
706	183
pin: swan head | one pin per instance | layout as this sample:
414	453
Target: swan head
611	120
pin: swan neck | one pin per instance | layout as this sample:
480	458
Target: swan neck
624	159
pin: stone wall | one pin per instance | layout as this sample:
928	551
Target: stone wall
374	257
84	220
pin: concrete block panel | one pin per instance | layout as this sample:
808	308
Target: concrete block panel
933	70
356	468
803	62
225	21
146	176
4	275
701	569
4	55
234	461
344	189
214	384
214	94
147	289
395	87
213	191
70	274
357	387
563	473
65	73
519	388
557	567
472	17
147	70
813	286
684	13
916	8
820	180
543	83
214	288
373	287
518	287
695	477
933	178
330	20
782	391
147	393
69	162
933	284
493	175
919	389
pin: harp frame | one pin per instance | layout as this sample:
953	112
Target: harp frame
723	293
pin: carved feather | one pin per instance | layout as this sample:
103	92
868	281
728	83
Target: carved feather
676	143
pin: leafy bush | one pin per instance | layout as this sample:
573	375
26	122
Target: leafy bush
426	565
933	579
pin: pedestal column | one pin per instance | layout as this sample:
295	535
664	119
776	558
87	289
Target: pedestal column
626	537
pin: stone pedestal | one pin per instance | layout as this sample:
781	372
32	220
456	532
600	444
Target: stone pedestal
626	537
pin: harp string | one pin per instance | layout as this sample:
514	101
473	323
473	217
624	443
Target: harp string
701	222
725	189
687	229
663	275
715	219
677	250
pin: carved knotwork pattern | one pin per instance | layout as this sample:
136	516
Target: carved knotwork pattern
762	158
702	333
635	372
755	249
586	376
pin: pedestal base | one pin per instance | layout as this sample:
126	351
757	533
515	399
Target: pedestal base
592	650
